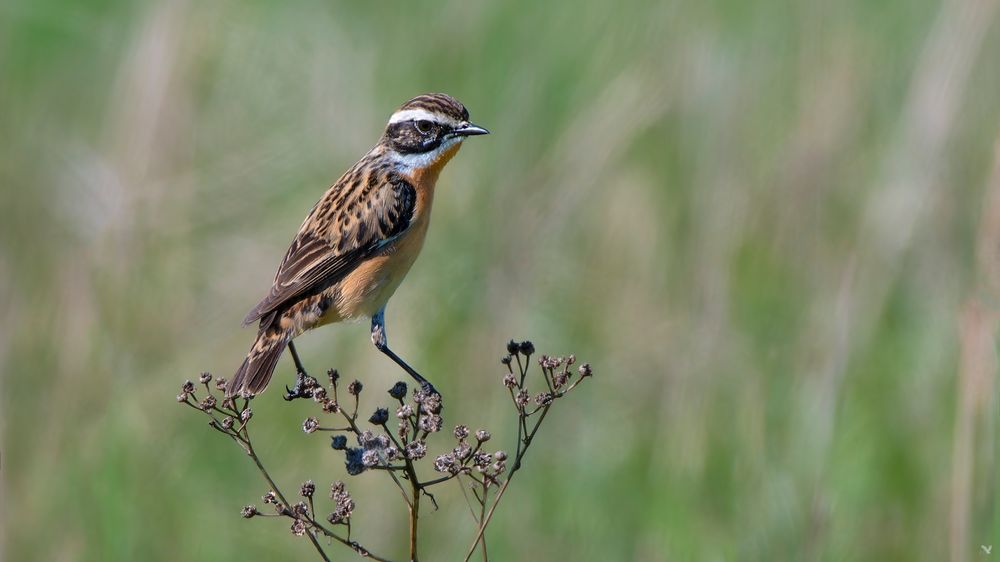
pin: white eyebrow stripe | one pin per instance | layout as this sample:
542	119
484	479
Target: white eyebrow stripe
419	114
411	115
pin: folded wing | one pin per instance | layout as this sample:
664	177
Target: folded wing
359	221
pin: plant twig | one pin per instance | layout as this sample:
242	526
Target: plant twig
380	449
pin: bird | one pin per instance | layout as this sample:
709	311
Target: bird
358	242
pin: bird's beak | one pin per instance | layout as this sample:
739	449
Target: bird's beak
469	130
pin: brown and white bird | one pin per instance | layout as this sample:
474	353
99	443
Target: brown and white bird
359	241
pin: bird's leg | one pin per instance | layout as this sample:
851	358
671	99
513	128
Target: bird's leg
382	344
299	389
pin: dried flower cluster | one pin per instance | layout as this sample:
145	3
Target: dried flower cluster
394	440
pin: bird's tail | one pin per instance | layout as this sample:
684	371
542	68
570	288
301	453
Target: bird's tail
255	372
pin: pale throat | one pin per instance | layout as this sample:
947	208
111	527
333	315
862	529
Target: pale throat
426	166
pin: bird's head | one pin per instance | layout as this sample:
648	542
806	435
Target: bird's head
427	131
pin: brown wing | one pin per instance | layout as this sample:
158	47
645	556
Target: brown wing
329	247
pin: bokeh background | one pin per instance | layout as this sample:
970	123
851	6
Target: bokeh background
772	227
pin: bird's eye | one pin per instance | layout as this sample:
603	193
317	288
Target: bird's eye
424	126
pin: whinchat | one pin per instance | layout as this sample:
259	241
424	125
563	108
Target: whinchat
359	241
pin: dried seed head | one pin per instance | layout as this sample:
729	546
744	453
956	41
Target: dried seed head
398	390
543	398
310	424
559	379
550	363
483	436
430	402
187	387
310	382
506	359
461	432
509	380
270	497
380	416
527	348
333	375
319	394
585	370
308	489
331	407
207	403
482	460
404	411
248	511
500	455
343	504
338	442
391	453
227	422
430	423
298	528
182	397
446	463
370	458
416	450
522	398
336	488
366	438
354	388
353	461
462	451
220	383
245	415
205	377
369	440
513	347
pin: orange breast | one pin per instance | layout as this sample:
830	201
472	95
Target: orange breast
367	289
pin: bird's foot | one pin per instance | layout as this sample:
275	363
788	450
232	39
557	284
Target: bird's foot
427	387
303	387
378	337
429	390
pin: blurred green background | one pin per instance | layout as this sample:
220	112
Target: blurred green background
772	227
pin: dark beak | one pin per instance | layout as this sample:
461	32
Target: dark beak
469	130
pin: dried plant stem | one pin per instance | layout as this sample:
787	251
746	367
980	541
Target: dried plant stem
396	453
482	515
414	515
245	439
522	448
319	549
263	471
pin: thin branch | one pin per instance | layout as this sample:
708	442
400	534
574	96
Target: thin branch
468	502
482	514
510	476
487	470
319	549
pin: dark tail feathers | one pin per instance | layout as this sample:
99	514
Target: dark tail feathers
255	372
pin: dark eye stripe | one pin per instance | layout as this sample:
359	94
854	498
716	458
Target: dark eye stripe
405	138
